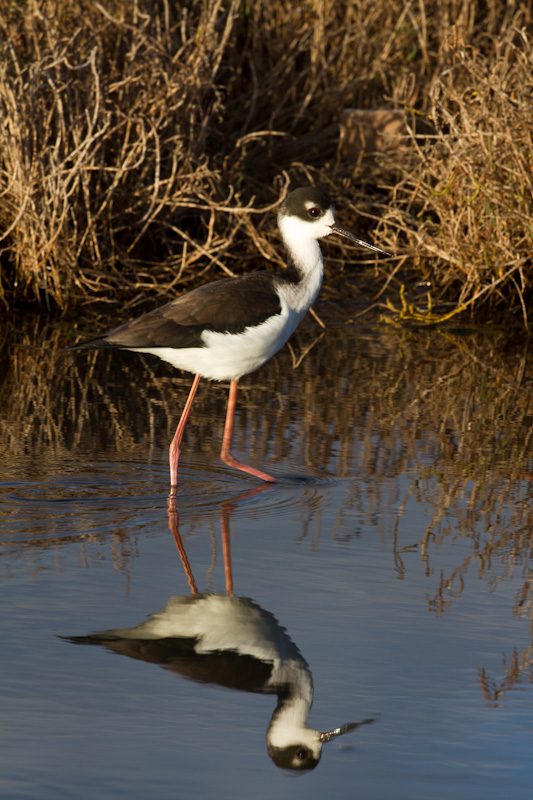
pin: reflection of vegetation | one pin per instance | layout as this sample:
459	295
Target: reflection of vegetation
457	409
453	412
516	669
142	142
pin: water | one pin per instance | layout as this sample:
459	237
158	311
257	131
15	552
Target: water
394	554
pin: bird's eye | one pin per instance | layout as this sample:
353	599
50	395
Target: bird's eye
313	212
302	754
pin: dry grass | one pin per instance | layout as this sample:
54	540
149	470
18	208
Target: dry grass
142	142
471	189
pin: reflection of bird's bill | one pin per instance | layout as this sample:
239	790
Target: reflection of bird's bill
350	726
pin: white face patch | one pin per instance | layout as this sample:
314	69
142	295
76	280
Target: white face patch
300	234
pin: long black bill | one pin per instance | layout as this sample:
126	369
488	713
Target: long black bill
350	726
347	235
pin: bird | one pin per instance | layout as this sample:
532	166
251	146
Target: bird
232	642
230	327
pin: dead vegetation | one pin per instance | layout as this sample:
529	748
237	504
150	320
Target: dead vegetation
141	144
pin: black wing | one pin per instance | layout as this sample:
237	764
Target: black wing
228	305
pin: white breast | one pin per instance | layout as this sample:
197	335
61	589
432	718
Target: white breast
228	356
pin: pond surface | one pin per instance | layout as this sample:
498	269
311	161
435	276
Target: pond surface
387	575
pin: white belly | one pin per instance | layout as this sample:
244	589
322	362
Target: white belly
228	356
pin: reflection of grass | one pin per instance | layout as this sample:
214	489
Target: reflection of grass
517	669
453	412
460	403
141	143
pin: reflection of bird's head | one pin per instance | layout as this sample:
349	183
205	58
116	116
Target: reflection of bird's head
296	756
304	752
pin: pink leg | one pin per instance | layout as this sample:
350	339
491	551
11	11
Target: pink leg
174	450
225	454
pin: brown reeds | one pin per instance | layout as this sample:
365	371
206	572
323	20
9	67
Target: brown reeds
472	188
140	143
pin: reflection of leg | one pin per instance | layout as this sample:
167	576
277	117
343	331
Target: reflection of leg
225	453
225	513
174	450
174	527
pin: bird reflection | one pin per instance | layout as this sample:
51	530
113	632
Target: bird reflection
232	642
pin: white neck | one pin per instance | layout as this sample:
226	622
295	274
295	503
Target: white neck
289	722
304	252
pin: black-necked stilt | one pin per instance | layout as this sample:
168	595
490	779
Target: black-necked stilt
226	329
232	642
